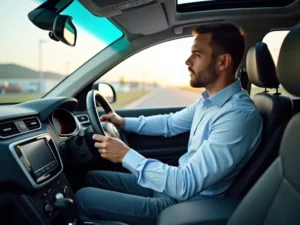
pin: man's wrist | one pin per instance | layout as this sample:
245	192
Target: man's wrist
126	149
122	125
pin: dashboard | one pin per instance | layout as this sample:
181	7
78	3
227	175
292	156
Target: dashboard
37	139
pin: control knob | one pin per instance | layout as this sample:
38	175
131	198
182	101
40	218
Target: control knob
66	190
48	209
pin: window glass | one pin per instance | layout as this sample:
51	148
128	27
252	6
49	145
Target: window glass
154	77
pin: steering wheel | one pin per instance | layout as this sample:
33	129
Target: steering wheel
102	128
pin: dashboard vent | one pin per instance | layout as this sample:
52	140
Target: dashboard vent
32	123
8	129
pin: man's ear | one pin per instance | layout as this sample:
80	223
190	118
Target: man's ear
224	62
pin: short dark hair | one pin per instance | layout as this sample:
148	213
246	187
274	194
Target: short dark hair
225	38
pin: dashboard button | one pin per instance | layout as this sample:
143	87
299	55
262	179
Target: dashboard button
38	174
63	146
44	195
66	191
21	125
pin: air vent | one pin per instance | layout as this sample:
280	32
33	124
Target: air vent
83	118
32	123
8	129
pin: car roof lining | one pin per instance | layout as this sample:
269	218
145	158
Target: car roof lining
154	19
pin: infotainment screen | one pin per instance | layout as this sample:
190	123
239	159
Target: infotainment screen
39	156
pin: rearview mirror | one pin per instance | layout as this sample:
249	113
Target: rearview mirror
107	91
64	30
60	26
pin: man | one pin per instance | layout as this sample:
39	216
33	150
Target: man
225	129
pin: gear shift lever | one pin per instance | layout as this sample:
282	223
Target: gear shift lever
66	207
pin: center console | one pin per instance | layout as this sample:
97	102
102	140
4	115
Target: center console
49	199
54	199
41	164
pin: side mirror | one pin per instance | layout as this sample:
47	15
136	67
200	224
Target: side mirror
107	91
64	30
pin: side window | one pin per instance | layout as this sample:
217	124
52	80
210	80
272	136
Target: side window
274	41
154	77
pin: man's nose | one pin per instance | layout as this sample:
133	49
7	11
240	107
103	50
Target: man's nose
188	62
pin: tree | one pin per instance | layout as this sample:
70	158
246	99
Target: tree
122	81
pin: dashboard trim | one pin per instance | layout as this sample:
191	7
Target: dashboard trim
33	183
88	121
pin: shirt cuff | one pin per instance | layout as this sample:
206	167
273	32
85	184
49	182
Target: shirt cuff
131	124
132	160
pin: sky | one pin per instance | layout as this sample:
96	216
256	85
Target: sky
19	44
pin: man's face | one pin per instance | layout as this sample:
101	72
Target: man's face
201	64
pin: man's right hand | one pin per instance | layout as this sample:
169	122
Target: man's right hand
113	118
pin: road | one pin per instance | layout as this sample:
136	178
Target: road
165	97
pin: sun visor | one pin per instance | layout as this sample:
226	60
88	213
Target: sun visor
144	21
110	8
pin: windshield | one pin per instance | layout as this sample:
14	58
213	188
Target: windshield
31	64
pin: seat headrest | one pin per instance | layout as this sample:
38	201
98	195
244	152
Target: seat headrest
289	62
260	66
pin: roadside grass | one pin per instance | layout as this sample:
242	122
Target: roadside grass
126	98
14	98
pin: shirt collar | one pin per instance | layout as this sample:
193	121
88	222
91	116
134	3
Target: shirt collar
221	97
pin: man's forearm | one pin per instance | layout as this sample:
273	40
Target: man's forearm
151	125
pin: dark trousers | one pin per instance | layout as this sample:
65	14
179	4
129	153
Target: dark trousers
117	196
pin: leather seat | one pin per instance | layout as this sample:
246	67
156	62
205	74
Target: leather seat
275	109
275	198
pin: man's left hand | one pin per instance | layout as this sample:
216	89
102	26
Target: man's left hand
110	148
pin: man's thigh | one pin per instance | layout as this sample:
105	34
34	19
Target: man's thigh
102	204
115	181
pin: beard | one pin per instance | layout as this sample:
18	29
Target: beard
204	78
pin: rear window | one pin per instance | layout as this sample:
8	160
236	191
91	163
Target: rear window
274	41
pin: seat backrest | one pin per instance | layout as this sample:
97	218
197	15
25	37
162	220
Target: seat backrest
275	109
275	198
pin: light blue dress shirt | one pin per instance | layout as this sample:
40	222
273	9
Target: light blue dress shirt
225	130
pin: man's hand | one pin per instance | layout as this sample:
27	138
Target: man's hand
110	148
113	118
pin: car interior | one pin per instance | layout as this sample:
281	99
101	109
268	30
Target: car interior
46	144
